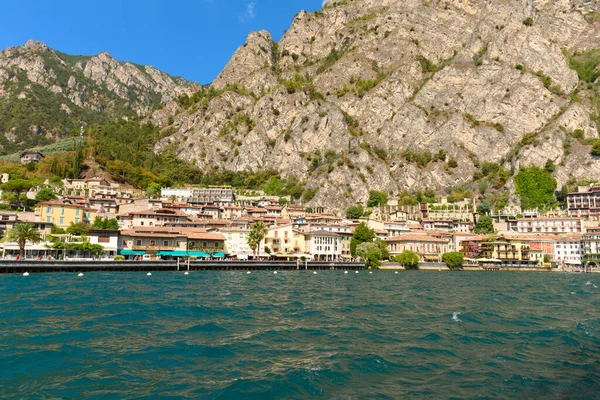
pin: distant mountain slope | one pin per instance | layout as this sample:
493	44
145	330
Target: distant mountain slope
405	94
45	93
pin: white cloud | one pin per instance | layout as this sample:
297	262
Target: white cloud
249	14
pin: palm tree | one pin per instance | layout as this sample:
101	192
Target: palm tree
257	234
22	233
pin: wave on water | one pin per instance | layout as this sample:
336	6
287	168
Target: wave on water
230	335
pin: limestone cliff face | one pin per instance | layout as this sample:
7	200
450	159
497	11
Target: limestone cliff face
351	89
56	92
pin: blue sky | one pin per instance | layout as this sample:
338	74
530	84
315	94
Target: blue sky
188	38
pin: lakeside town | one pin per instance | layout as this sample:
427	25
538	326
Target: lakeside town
96	218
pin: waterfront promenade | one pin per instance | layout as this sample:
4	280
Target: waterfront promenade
36	266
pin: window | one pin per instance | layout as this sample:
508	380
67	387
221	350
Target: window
62	211
124	243
62	220
76	220
138	242
152	243
165	243
48	210
77	211
103	239
48	219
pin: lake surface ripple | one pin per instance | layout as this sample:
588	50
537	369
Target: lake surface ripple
230	335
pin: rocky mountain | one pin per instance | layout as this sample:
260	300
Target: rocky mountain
45	93
404	94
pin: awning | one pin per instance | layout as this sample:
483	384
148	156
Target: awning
219	254
200	254
172	253
129	252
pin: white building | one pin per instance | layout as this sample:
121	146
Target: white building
550	225
236	243
323	245
179	194
109	239
568	250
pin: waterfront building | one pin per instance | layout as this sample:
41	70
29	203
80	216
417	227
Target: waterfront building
568	250
236	244
284	241
160	241
323	245
428	248
108	239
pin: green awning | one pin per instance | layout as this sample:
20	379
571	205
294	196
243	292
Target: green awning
173	253
129	252
200	254
219	254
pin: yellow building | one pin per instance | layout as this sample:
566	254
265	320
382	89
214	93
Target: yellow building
284	241
62	213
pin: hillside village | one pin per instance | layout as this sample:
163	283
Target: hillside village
99	219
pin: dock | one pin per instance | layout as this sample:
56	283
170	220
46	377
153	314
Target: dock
35	266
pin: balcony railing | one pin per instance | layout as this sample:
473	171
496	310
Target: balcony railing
157	248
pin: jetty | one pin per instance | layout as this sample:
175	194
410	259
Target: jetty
39	266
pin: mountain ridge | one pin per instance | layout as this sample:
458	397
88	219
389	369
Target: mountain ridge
403	95
44	93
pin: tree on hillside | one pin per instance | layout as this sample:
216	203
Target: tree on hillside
17	187
45	194
453	259
484	207
408	259
22	233
535	186
362	233
484	225
377	198
354	212
256	235
105	223
79	229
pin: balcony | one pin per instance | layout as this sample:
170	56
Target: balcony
155	248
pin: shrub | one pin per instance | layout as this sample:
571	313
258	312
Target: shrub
408	259
528	21
453	260
535	186
119	258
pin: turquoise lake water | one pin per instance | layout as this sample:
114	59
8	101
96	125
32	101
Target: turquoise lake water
230	335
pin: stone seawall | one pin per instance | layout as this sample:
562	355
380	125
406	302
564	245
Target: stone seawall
34	266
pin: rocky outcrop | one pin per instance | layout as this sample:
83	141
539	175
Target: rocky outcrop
352	90
86	89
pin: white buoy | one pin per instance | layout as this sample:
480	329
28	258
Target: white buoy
26	274
186	273
345	272
315	272
80	274
149	274
396	272
356	272
275	272
370	272
248	272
